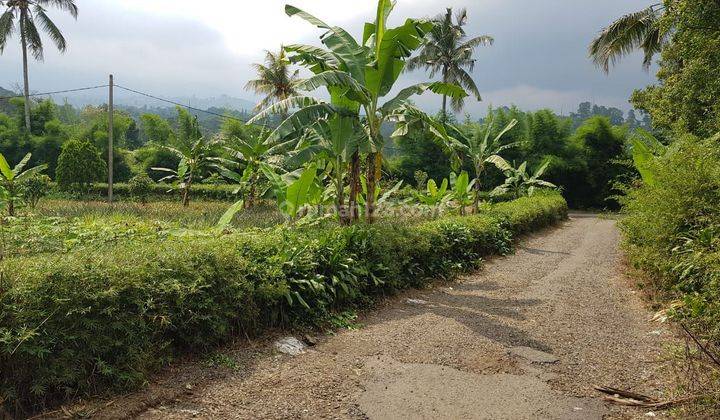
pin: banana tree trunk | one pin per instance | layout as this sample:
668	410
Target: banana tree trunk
343	212
371	186
26	78
353	210
477	188
250	202
186	192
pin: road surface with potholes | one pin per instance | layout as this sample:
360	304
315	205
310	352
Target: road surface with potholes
528	336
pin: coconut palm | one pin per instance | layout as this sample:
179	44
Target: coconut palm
450	53
637	30
28	14
275	79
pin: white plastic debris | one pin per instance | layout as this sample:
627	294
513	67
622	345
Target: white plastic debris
416	301
290	345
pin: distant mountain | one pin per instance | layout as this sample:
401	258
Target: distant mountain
129	99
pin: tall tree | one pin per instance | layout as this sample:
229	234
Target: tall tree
637	30
687	35
28	13
450	53
275	79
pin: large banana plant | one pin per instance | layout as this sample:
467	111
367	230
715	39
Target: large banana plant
10	177
244	158
518	181
479	147
334	139
195	159
359	75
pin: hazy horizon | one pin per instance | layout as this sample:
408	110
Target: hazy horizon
176	50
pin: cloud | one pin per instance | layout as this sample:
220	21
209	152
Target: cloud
184	48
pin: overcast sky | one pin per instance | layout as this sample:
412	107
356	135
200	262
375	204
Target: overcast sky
204	48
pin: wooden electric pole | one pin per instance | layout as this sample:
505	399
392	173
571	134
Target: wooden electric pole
111	108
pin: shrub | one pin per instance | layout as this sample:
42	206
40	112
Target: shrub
83	322
35	188
672	230
79	165
139	187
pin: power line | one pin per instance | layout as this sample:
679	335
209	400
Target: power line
181	105
56	92
129	90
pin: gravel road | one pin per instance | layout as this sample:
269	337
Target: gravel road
526	337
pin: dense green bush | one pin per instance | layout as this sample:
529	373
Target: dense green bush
140	187
34	188
672	230
84	322
78	166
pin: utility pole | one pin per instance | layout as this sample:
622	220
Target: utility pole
111	108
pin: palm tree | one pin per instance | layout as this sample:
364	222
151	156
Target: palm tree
638	30
449	53
275	80
28	13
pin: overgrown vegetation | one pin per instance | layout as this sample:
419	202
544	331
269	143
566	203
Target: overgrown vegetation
672	232
672	223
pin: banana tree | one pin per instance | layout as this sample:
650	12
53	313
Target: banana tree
249	153
518	181
196	159
10	177
293	195
359	75
478	147
463	190
434	196
334	139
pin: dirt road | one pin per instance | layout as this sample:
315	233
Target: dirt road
526	337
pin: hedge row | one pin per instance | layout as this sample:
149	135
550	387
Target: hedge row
221	192
83	324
